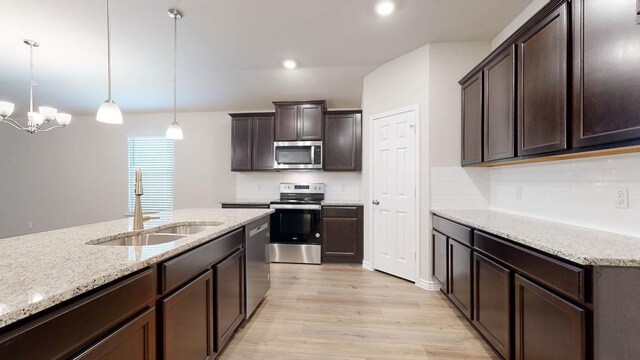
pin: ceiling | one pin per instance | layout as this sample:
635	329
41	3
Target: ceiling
230	51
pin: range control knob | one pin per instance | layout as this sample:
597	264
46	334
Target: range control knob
317	235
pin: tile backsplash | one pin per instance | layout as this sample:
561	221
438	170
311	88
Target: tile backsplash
265	186
460	188
579	192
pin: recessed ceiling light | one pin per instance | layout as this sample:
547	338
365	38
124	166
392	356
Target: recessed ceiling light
385	7
289	64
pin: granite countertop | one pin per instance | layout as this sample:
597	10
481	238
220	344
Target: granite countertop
41	270
578	244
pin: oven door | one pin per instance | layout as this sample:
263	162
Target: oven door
296	224
297	155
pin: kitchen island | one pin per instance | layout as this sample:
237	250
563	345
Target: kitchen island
70	278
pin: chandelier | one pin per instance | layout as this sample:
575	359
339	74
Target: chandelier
37	121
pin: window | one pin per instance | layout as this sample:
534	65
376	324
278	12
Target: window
155	157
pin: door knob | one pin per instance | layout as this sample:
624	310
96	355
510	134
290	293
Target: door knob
375	202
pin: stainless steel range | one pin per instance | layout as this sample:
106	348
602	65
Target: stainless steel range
296	225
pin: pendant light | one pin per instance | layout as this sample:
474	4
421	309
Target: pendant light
174	131
109	112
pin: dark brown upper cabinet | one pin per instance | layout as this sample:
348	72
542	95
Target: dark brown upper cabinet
472	120
299	120
542	85
343	141
499	104
252	142
606	72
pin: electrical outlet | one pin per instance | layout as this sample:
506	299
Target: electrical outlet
519	192
622	198
29	225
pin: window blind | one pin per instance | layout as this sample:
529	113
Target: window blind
155	157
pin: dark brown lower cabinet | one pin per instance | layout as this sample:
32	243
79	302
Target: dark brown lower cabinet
342	234
440	257
492	301
135	341
546	326
460	277
187	321
229	297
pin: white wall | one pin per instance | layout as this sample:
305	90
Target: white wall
78	175
265	186
399	83
525	15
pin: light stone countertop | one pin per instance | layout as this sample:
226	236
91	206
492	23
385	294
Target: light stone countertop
324	202
578	244
41	270
248	202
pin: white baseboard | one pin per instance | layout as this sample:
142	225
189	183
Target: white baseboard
427	285
367	265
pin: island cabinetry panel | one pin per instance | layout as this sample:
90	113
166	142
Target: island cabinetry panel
229	297
499	104
187	321
135	341
252	141
342	234
440	260
606	77
542	85
492	303
78	324
299	120
546	326
343	141
472	113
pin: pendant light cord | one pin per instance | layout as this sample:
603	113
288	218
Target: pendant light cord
175	67
32	83
109	48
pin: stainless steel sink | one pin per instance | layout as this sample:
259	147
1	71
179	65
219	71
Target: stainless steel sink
188	229
142	240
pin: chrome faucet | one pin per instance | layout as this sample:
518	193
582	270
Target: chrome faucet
138	218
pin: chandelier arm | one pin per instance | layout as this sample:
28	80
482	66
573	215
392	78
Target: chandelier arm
51	128
13	123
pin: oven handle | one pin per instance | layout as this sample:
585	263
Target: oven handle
295	207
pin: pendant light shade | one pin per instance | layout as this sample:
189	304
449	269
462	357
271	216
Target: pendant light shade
109	112
174	131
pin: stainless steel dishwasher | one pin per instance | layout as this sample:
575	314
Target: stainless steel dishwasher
258	264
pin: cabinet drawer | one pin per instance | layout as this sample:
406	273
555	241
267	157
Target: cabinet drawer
562	277
453	230
64	331
184	267
340	211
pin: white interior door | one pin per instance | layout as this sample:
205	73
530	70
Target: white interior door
394	194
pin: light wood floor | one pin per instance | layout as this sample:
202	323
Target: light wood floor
345	312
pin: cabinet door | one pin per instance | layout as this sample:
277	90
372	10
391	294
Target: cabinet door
342	238
547	327
310	122
472	121
187	321
440	258
241	140
606	72
499	103
286	128
263	143
492	294
460	277
542	86
343	142
136	341
229	297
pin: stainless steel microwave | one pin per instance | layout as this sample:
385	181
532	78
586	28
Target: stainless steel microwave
297	155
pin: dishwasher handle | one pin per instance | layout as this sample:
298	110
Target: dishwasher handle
258	230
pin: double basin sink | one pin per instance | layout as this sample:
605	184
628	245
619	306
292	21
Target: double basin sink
166	235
